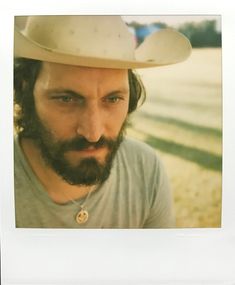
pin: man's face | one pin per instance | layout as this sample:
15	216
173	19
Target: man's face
80	117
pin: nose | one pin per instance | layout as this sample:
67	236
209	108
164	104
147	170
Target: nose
90	123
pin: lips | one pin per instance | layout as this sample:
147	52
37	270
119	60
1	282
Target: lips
89	151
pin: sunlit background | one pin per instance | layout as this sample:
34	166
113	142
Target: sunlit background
182	117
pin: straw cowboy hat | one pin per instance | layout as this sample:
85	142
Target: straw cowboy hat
97	41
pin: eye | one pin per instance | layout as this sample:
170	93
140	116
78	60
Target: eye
113	99
67	98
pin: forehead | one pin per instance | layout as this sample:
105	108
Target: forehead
60	73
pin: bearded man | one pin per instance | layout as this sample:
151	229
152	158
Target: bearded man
74	90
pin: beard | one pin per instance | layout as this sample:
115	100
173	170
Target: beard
87	171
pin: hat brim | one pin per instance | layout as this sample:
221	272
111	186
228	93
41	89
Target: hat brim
25	47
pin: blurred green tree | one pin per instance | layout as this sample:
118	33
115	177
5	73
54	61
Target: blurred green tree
203	34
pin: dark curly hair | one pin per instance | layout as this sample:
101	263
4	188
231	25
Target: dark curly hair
25	74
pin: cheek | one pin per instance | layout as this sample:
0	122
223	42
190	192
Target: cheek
115	121
59	124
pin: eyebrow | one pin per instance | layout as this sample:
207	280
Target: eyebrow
79	95
52	92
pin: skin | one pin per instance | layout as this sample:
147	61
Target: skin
75	101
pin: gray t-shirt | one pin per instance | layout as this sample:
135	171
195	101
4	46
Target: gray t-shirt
136	195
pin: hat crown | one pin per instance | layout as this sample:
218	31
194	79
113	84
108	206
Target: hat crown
91	36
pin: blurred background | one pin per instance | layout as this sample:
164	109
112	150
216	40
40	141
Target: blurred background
182	117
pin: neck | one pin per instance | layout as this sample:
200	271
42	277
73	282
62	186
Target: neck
58	190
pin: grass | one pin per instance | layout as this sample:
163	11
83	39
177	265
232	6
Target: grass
182	120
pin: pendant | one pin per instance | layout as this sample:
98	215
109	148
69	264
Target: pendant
82	216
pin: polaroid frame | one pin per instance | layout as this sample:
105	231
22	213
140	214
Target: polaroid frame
179	256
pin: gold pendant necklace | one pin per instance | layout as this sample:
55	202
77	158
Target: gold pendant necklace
83	215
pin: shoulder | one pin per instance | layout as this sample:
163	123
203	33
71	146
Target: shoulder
136	148
136	152
133	144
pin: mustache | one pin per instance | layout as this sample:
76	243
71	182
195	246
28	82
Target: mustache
82	143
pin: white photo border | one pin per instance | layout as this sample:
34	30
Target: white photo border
116	256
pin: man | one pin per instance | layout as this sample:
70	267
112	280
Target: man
74	90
